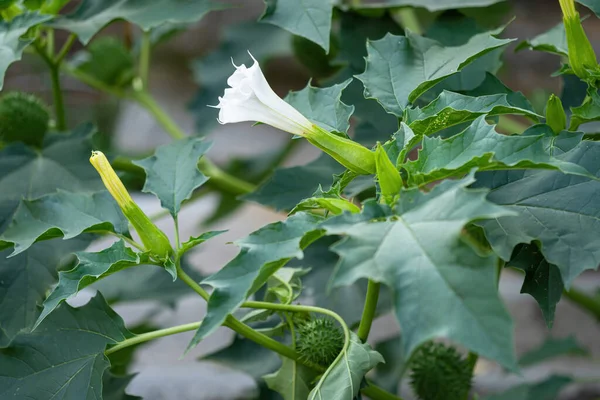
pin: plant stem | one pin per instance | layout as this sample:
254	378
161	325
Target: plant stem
144	65
510	125
223	180
177	241
181	274
408	19
59	105
145	337
65	49
585	301
148	102
369	310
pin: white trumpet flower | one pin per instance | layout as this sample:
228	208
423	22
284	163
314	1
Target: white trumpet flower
250	98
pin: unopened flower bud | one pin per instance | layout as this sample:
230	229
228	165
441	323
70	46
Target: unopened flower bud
555	114
390	182
154	240
581	53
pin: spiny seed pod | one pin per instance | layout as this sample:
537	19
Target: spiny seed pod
23	118
319	341
440	373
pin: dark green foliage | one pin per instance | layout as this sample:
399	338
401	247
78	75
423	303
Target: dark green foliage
320	341
440	373
23	118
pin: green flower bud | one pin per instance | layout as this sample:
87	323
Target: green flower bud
555	114
388	176
154	240
581	53
350	154
24	118
440	373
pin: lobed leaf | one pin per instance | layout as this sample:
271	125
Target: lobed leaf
93	15
172	173
292	381
113	388
64	358
542	280
401	68
262	253
417	250
343	378
553	41
12	40
65	215
560	211
480	146
90	268
26	278
450	109
63	163
310	19
323	106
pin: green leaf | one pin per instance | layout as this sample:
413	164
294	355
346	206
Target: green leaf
107	60
542	280
402	68
143	284
553	41
593	5
198	240
589	111
481	146
431	5
172	172
287	186
93	15
90	268
388	375
262	253
548	389
552	348
343	378
65	215
560	211
419	253
323	106
26	278
310	19
113	387
263	41
456	29
64	358
63	163
450	109
12	42
292	381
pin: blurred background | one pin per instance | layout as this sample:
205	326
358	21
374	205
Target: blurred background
182	77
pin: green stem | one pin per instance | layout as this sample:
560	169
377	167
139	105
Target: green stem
145	337
181	274
144	65
148	102
59	105
65	49
369	310
222	180
585	301
177	241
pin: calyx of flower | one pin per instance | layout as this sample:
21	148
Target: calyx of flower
250	98
155	241
582	57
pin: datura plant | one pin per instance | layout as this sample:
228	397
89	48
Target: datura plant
433	180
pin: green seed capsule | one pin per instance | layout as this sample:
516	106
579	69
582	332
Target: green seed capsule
23	118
